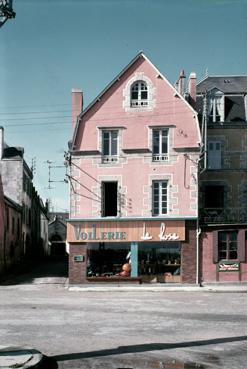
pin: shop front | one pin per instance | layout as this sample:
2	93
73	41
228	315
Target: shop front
149	251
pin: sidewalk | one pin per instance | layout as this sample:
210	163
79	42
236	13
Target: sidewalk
214	287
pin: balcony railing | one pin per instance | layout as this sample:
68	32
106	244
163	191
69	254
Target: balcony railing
160	157
139	103
223	215
109	159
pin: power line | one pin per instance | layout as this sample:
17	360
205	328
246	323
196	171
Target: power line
36	112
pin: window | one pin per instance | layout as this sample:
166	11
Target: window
216	107
110	146
228	245
160	144
214	155
139	94
13	225
109	199
214	197
159	197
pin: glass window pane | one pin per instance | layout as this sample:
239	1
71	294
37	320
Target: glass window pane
106	140
144	95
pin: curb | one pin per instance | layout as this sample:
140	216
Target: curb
141	288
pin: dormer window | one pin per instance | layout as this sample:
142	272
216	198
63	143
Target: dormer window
216	107
139	94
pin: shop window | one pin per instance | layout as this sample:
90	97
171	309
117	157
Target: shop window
110	146
229	245
139	94
159	197
159	262
160	144
109	199
107	259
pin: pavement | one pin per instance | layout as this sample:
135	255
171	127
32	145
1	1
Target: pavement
23	357
226	287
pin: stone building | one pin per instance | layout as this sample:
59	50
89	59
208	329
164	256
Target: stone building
222	110
133	160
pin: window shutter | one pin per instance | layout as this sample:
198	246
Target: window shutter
215	247
241	246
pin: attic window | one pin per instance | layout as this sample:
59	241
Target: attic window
139	94
216	107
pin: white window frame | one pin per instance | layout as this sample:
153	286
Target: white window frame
160	209
110	157
161	156
139	87
217	107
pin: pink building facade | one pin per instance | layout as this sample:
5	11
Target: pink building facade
134	199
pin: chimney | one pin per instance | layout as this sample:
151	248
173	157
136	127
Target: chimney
77	105
1	142
180	83
192	90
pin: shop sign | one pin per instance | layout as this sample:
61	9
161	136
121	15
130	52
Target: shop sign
228	266
81	235
127	231
163	236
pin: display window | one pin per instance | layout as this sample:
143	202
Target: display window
155	262
159	262
107	259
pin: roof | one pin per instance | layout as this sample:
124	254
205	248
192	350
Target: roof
226	84
138	56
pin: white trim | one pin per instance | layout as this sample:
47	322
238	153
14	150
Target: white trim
139	76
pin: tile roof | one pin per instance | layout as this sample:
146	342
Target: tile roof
226	84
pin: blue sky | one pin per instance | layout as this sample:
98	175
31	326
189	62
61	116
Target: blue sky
54	45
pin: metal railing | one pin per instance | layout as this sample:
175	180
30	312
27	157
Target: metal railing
223	215
160	157
109	159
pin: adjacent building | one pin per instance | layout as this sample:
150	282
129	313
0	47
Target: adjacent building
57	230
23	208
134	162
222	110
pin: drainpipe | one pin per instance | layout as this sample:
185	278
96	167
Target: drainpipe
198	232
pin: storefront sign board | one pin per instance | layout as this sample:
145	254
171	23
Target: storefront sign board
126	231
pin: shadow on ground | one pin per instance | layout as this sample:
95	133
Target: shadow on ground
28	272
133	349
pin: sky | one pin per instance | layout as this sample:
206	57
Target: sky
52	46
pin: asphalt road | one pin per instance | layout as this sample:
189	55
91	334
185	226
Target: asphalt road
124	329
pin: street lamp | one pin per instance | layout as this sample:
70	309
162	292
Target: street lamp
6	11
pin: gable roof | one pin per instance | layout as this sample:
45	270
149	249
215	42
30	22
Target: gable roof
138	56
226	84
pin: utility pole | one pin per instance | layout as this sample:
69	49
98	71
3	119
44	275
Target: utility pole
6	11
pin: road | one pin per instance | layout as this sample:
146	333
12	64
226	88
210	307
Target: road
124	329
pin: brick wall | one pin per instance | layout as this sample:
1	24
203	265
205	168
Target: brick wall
77	270
188	254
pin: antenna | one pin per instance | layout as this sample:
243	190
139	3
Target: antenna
33	165
50	167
